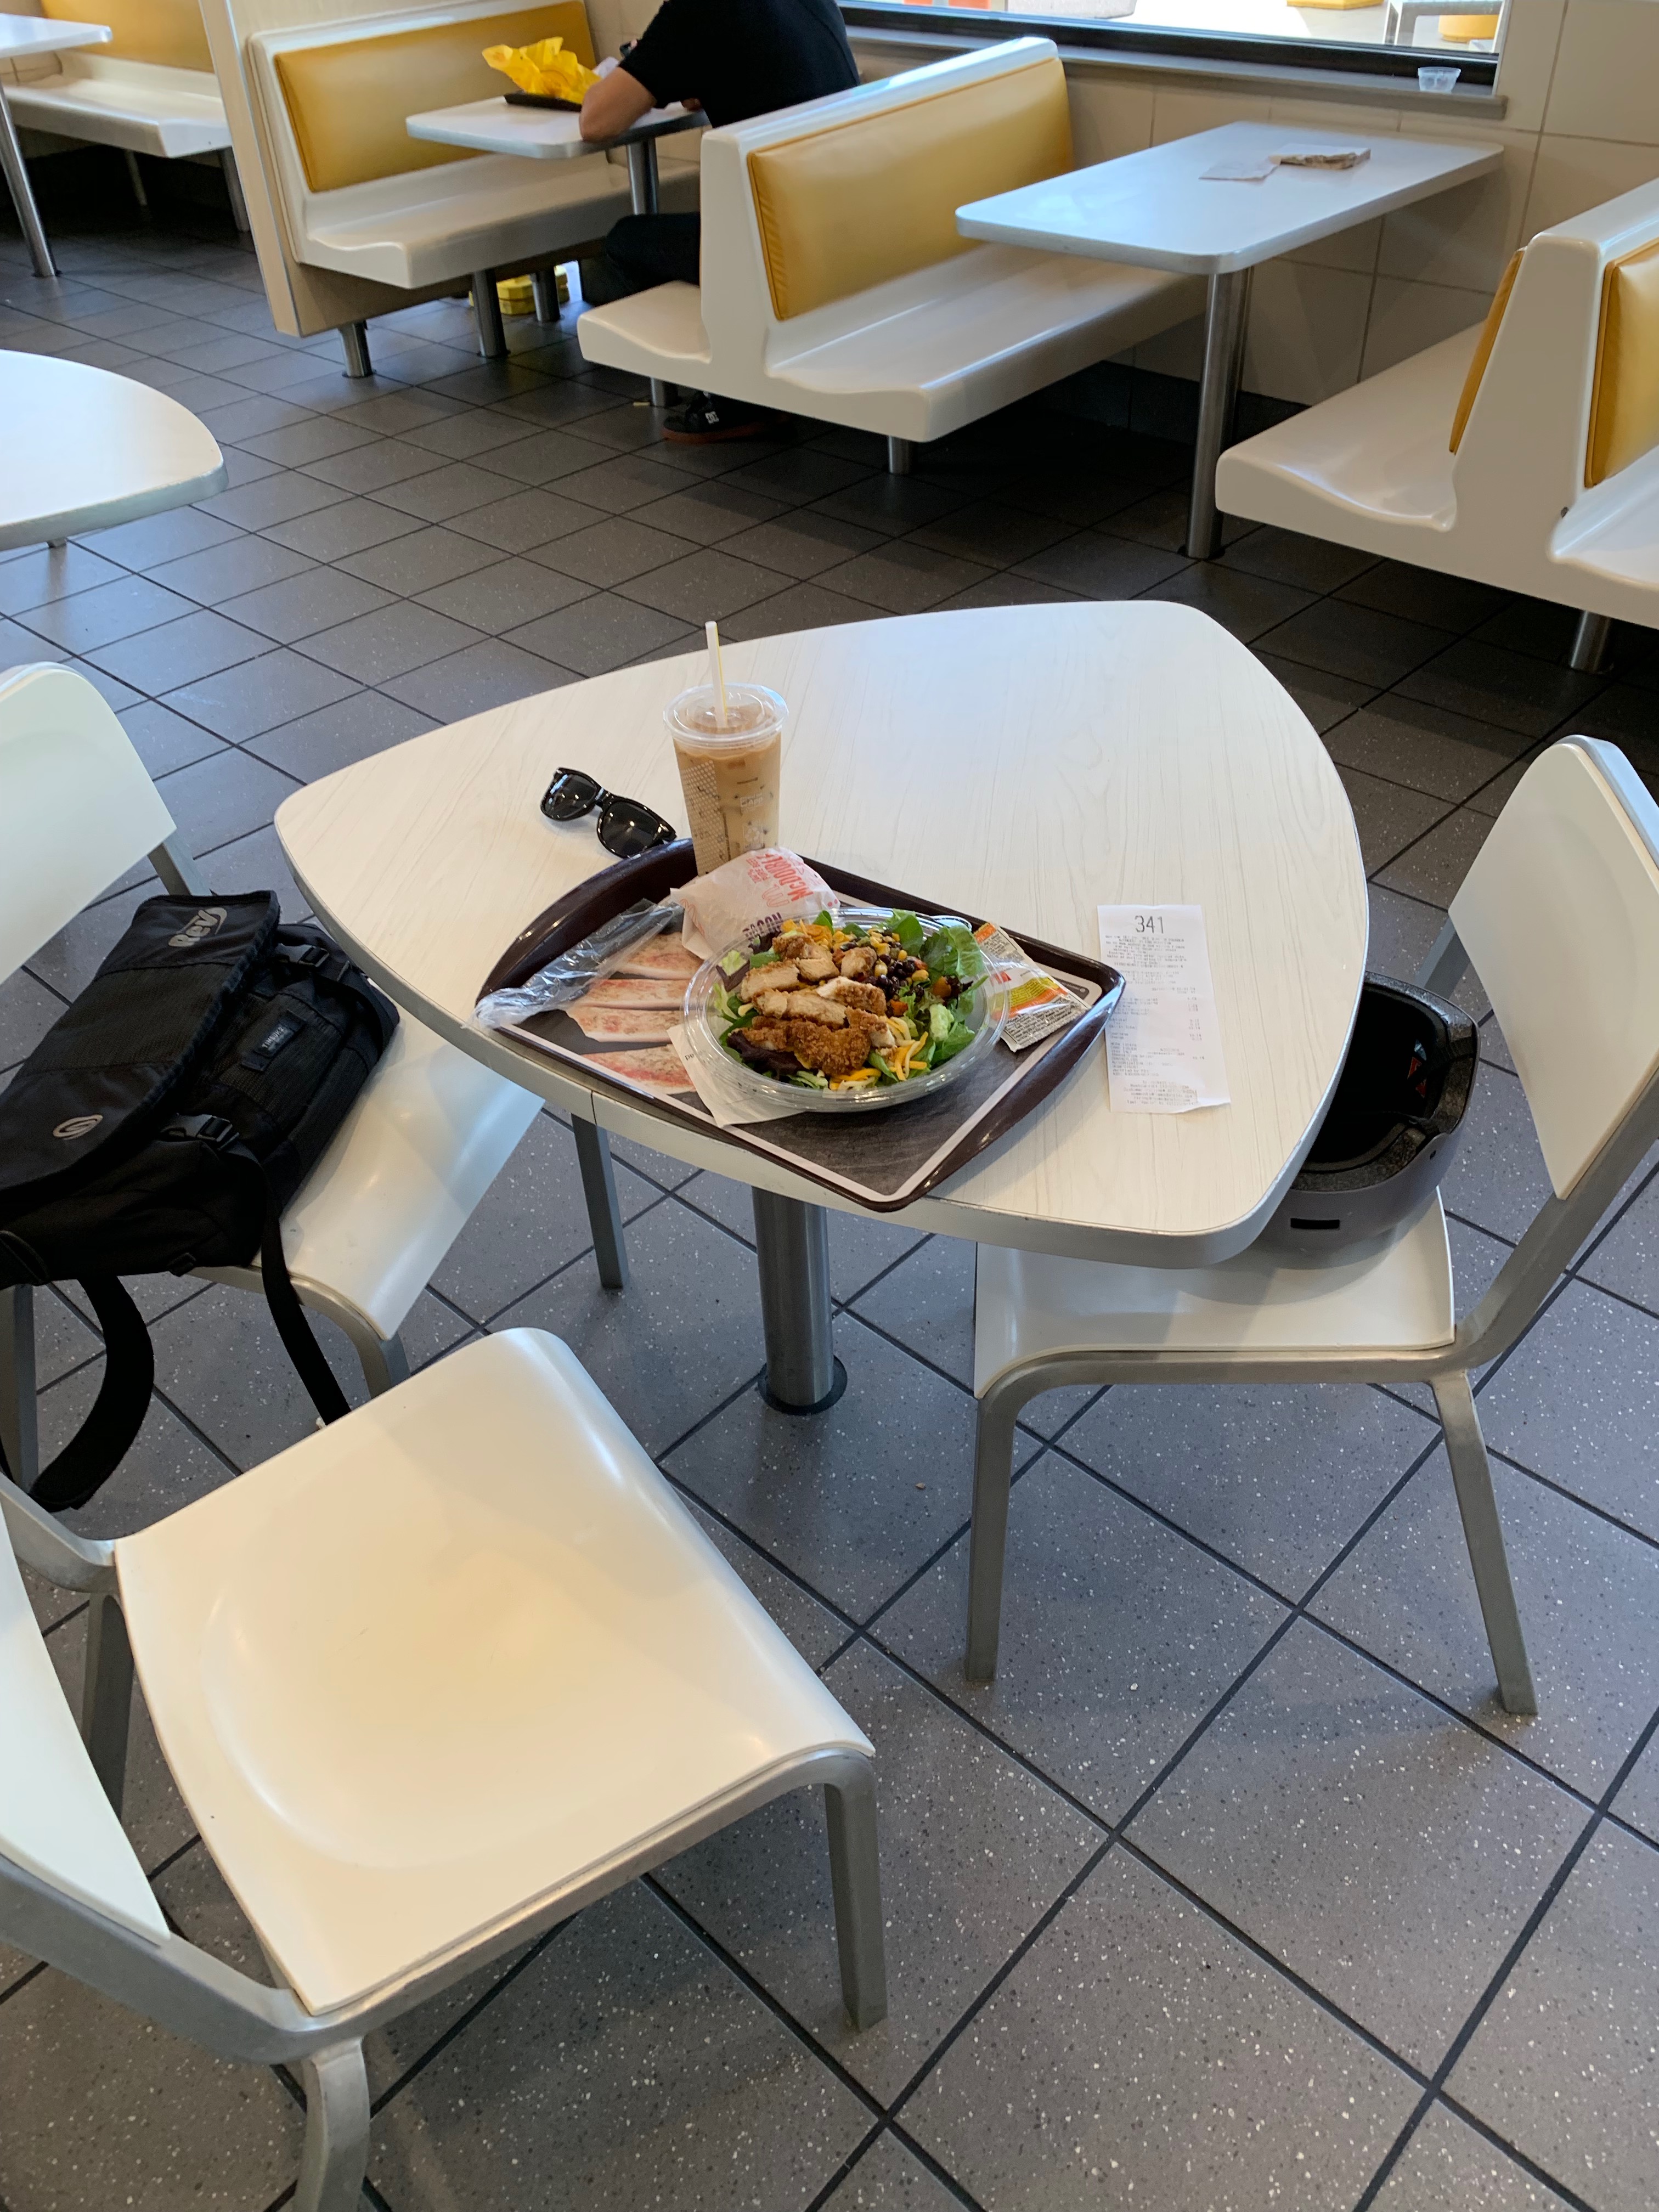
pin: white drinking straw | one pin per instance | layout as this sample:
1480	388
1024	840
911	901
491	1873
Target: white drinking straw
712	632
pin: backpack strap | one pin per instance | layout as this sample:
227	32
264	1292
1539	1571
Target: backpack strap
99	1445
289	1315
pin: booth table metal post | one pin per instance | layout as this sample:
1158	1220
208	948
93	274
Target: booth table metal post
643	193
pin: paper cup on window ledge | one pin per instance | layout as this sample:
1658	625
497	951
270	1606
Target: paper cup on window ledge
1438	80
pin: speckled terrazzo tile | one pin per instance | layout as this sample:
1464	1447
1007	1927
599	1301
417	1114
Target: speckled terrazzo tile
154	1816
1498	1180
857	1498
625	2067
683	1336
1450	2167
815	1631
1386	1853
888	2178
164	1468
1638	1801
103	2110
1118	1636
1575	1403
1137	2042
1588	1595
1563	2064
974	1851
1275	1478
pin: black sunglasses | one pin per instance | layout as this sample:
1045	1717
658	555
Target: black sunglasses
627	827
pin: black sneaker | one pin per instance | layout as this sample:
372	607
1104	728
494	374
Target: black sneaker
707	420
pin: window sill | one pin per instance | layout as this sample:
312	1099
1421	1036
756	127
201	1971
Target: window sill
1348	86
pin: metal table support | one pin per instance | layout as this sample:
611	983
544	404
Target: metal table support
643	197
791	1240
22	193
1225	326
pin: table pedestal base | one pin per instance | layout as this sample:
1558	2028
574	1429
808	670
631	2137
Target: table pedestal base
1218	395
791	1240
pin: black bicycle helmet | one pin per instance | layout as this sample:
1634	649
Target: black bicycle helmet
1392	1128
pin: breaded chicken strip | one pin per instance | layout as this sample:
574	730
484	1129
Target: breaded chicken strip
846	992
807	1006
776	975
832	1052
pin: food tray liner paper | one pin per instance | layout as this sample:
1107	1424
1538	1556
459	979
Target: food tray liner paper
881	1161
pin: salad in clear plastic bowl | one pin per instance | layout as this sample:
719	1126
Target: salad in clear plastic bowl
866	1008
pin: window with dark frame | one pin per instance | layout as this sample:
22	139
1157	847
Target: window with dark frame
1372	38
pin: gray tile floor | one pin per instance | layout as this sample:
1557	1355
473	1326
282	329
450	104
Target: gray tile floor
1237	1890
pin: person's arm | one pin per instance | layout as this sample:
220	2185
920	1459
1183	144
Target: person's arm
614	104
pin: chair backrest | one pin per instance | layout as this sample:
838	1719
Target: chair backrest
1559	914
1563	391
168	33
55	1820
77	808
343	91
818	204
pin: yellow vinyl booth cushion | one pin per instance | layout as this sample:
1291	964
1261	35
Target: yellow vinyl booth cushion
843	209
166	32
349	102
1624	420
1483	351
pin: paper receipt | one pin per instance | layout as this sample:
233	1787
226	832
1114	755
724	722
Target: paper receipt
1164	1044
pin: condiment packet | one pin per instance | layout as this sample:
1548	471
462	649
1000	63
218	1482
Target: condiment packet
751	897
1038	1005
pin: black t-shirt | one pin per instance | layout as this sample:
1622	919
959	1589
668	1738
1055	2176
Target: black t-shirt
743	58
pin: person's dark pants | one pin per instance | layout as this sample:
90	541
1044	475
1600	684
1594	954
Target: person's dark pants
642	251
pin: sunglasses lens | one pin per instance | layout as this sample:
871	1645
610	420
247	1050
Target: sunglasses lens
627	828
570	795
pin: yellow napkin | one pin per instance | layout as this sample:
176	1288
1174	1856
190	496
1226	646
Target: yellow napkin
545	68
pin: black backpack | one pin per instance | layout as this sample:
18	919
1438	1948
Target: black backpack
163	1123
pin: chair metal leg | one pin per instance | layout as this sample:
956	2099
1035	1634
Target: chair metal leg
1590	640
900	453
385	1362
545	291
136	177
988	1541
336	2155
849	1810
1465	1448
604	1214
487	308
20	1438
106	1694
354	336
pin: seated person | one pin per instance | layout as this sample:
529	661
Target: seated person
733	58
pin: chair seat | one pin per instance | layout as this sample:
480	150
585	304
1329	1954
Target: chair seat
1371	467
463	1651
145	118
428	1133
924	354
1390	1296
488	213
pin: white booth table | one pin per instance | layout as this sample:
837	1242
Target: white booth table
22	38
85	449
554	134
1028	763
1158	209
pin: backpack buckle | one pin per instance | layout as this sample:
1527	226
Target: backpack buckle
205	1128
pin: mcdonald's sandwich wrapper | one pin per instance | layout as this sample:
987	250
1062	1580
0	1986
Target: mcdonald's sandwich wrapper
546	69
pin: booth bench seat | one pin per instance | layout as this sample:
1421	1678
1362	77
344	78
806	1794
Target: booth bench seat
1523	454
834	282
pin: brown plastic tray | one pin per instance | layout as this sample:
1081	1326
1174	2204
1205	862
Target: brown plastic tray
882	1162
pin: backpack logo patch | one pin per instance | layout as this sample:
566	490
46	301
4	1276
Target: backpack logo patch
80	1125
205	922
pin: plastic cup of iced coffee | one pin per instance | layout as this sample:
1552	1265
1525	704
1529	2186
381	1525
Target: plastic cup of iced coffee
728	768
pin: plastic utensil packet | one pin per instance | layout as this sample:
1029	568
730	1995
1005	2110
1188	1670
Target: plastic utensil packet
1037	1003
547	68
564	979
750	897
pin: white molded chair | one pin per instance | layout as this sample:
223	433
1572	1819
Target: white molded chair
428	1133
429	1682
1523	454
1559	917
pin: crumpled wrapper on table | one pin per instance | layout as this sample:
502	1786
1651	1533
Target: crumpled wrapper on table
547	68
